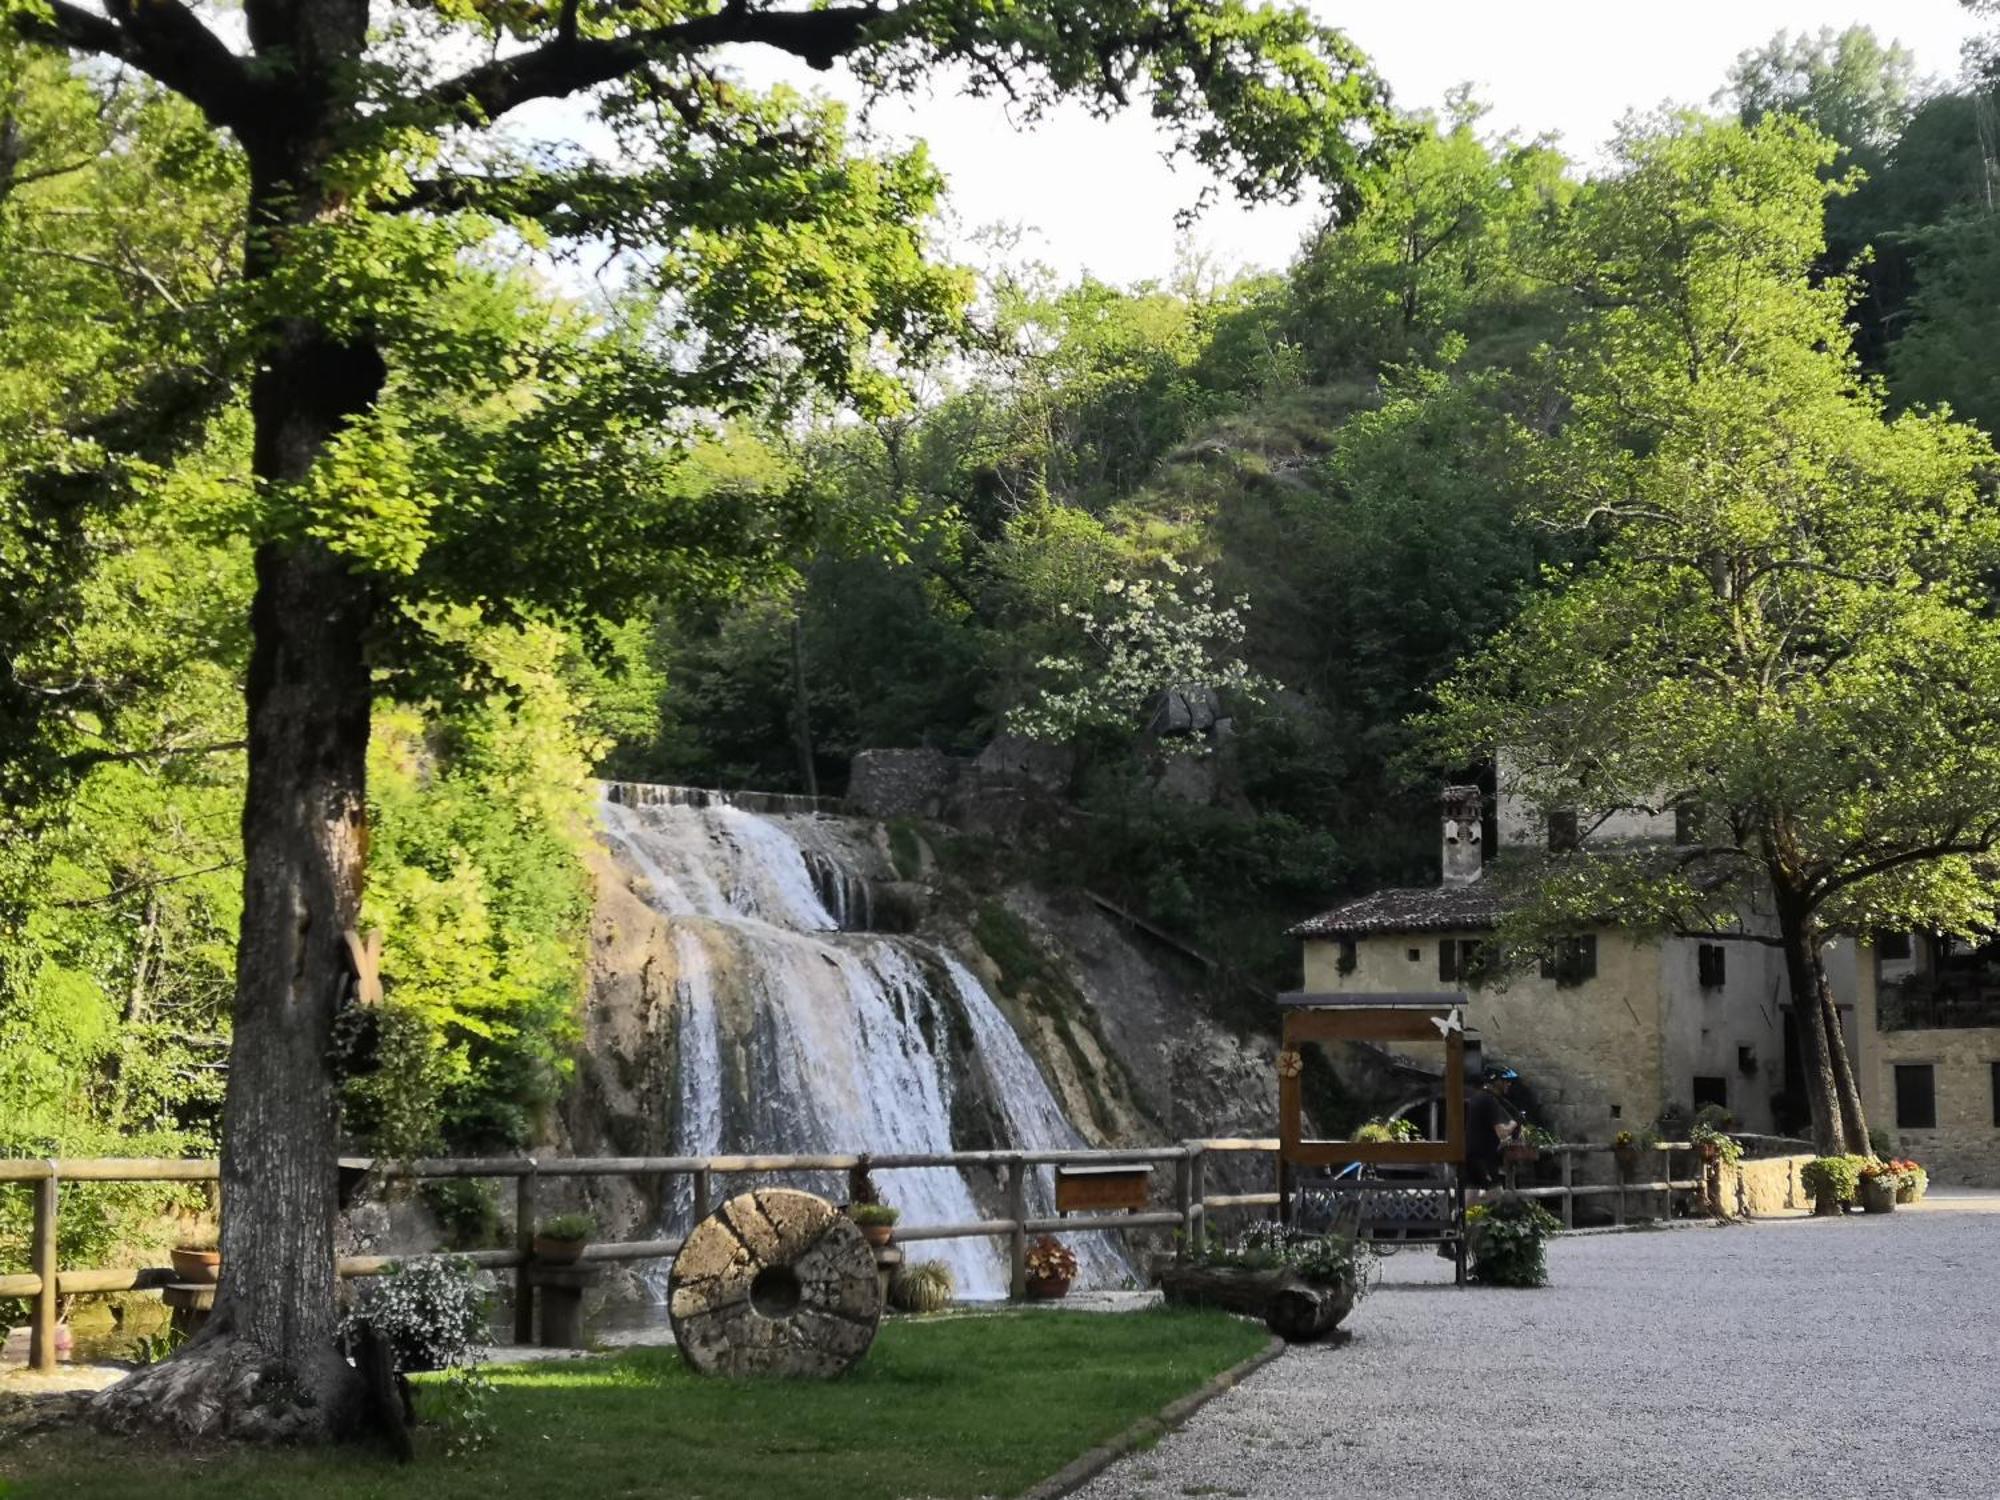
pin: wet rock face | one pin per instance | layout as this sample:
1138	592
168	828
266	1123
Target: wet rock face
775	1283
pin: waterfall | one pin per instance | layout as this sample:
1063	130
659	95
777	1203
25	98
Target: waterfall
799	1032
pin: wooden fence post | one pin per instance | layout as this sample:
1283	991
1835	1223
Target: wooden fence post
1017	1210
1183	1198
1284	1176
1569	1188
42	1331
700	1194
1198	1206
524	1241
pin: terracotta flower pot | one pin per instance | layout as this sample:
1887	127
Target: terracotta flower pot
558	1252
1826	1204
879	1235
197	1266
1048	1288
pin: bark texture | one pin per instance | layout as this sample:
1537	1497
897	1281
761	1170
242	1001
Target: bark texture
265	1365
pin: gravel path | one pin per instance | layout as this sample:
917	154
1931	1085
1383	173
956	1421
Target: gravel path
1816	1359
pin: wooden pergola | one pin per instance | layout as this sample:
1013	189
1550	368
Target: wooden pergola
1435	1212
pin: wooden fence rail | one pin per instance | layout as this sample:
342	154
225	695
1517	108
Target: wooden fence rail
45	1284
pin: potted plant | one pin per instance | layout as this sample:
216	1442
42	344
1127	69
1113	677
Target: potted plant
1505	1239
1715	1144
559	1240
1879	1182
1832	1181
877	1221
1625	1149
1051	1268
1913	1181
197	1261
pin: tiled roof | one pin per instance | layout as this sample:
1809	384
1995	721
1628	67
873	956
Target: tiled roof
1441	908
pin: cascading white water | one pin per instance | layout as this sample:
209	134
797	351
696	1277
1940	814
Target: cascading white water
797	1037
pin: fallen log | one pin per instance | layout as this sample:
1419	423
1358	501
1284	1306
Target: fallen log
1296	1310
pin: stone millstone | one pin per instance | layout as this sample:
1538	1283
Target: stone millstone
774	1283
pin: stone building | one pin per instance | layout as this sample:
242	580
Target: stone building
1613	1027
1928	1009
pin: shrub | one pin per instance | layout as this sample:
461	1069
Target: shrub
467	1212
568	1228
1835	1176
1506	1240
925	1287
874	1215
1880	1142
1381	1130
431	1311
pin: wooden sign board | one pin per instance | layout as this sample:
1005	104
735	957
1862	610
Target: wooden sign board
1102	1189
1352	1019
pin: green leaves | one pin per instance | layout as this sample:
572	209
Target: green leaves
1786	616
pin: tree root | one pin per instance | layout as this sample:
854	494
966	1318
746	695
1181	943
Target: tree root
222	1387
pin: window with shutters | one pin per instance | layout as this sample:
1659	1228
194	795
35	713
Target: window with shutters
1710	965
1562	828
1572	960
1462	961
1916	1096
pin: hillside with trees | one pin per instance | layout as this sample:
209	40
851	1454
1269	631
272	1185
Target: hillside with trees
797	487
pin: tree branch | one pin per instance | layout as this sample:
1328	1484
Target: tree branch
161	38
565	66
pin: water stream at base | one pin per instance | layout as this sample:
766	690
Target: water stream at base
798	1034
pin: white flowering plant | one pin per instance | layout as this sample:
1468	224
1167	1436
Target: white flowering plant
1144	637
431	1312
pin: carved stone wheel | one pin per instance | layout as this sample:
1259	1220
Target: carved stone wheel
774	1283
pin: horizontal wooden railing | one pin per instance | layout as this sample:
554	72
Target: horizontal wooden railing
45	1284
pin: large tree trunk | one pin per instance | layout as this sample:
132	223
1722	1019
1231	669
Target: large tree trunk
265	1365
1854	1121
1809	1010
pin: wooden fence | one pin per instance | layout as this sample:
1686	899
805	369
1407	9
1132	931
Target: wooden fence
44	1283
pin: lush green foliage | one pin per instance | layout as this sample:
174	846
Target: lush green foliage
1506	1241
1835	1177
1324	1260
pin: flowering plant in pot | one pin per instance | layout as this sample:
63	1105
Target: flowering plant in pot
877	1221
197	1261
1625	1148
1913	1181
559	1240
1051	1268
1879	1182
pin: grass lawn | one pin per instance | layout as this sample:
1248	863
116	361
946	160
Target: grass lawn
943	1408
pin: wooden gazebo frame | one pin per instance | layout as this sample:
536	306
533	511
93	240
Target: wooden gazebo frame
1435	1017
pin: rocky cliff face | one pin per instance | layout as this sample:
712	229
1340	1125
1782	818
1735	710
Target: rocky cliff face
800	980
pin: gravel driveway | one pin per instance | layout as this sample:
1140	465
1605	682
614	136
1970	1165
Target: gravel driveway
1810	1359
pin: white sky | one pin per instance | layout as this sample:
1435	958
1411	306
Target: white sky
1100	198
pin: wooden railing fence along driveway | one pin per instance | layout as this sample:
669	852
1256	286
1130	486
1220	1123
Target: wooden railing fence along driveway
45	1283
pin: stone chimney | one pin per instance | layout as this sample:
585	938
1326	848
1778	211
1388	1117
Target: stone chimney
1463	859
